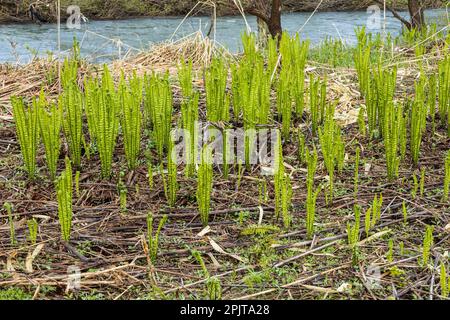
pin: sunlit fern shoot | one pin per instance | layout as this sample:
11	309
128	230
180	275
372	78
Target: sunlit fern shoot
64	196
317	101
445	284
103	107
214	288
12	230
251	91
71	101
50	122
32	230
446	177
27	129
171	183
217	99
294	53
362	61
427	245
153	237
284	101
185	78
353	233
283	188
376	209
159	108
131	117
356	172
418	120
333	148
392	130
189	118
444	92
205	184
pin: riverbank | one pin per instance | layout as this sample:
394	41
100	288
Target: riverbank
12	11
249	250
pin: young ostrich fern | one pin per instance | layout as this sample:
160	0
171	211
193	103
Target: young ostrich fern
392	130
217	100
103	107
27	129
50	121
447	177
283	188
189	117
158	107
333	148
71	102
64	195
131	118
205	184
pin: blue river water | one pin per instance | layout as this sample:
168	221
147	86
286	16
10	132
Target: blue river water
101	39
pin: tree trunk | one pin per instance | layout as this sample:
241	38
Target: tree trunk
275	19
416	12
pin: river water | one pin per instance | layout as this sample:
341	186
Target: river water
19	43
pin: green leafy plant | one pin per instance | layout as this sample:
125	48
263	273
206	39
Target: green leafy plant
103	108
158	106
217	99
171	183
362	122
214	288
392	128
189	115
353	233
427	245
362	60
373	214
317	101
446	177
422	181
333	148
444	91
71	102
418	120
12	231
294	53
379	96
283	188
153	239
149	170
32	230
27	129
284	101
185	78
404	212
356	172
64	196
445	284
131	118
390	253
50	122
205	184
415	187
376	209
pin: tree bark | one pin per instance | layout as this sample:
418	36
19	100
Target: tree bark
269	14
415	8
275	19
